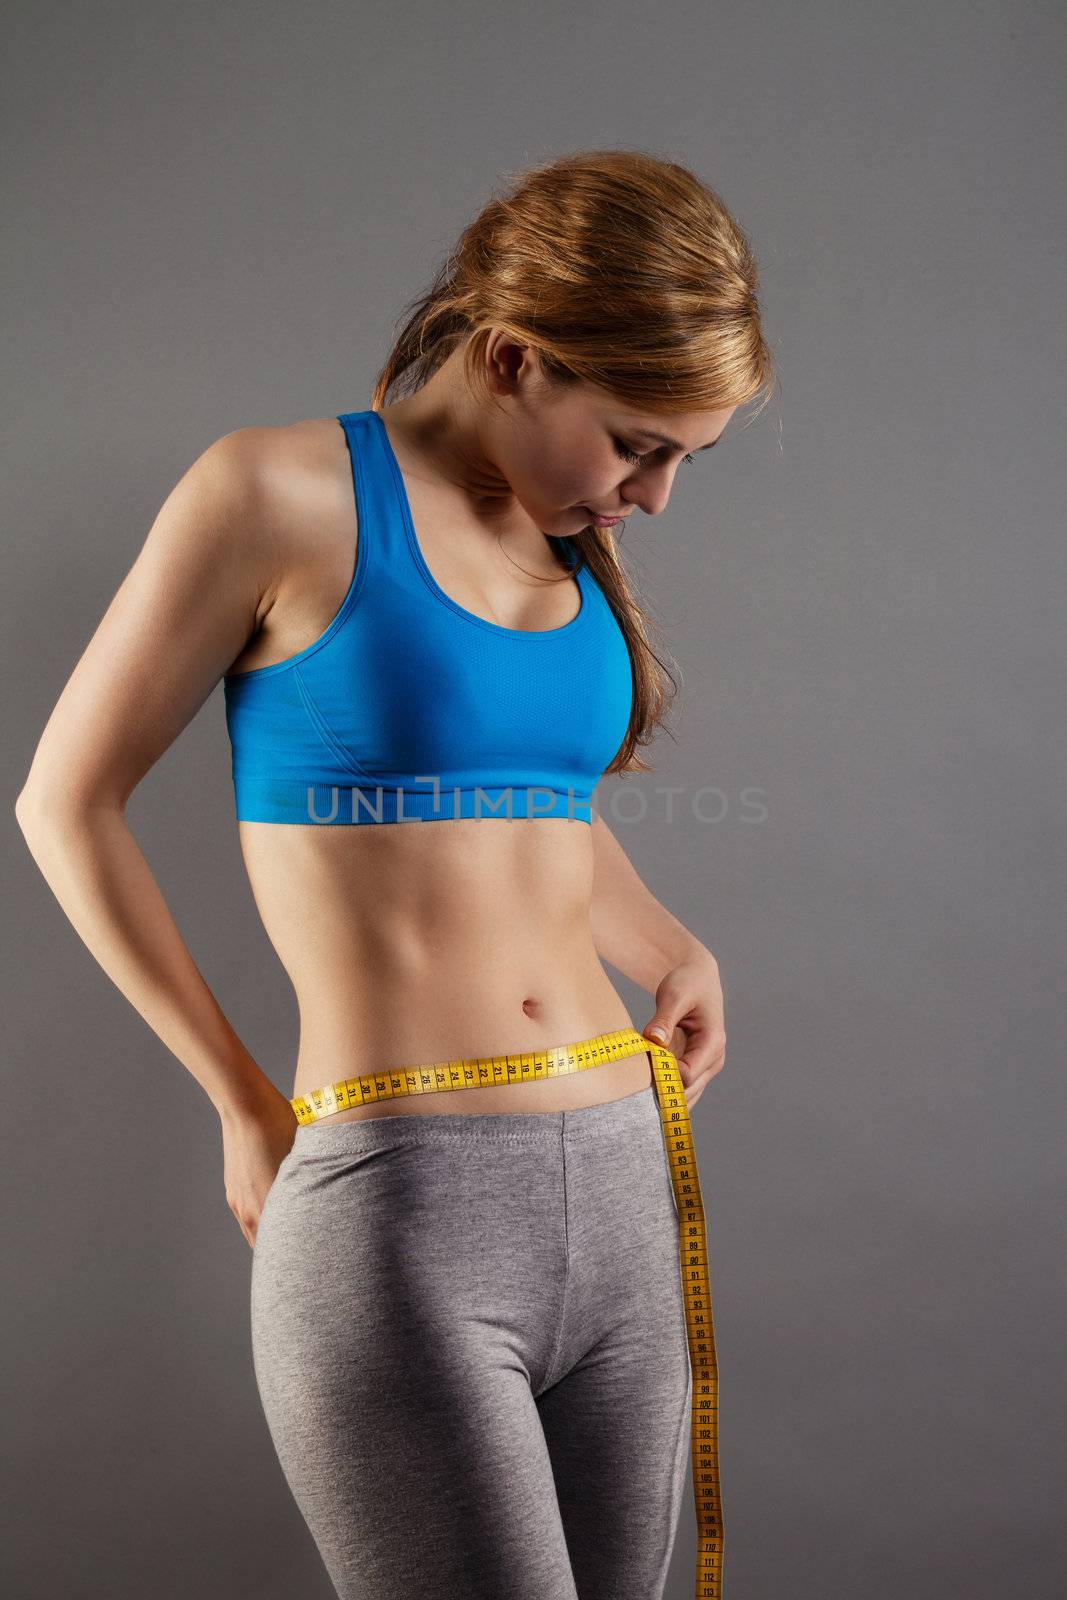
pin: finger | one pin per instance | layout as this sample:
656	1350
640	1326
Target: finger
669	1030
695	1064
699	1084
692	1094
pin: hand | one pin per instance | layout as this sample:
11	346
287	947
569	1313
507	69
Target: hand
689	1010
256	1140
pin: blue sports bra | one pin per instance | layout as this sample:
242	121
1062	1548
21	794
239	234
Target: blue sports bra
410	708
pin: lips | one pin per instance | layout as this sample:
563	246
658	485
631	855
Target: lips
603	519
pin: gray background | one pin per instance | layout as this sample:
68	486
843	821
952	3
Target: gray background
213	217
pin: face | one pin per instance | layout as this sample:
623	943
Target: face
572	451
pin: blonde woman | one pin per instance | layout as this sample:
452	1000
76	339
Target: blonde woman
468	1323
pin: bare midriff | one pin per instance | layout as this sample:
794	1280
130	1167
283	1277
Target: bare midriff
419	942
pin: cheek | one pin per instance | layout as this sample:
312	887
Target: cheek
554	484
558	476
573	482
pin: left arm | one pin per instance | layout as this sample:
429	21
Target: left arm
640	938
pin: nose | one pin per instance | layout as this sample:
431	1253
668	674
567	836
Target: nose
650	490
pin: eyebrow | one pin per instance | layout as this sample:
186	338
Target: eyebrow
675	444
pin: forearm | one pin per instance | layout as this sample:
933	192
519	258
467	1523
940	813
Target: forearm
631	929
96	870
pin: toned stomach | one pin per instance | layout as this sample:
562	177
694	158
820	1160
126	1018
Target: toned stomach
419	942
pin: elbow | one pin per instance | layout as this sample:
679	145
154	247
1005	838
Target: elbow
43	807
32	813
30	817
26	808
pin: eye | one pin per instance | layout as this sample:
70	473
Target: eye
634	458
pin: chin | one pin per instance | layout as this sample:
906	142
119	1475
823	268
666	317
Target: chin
566	523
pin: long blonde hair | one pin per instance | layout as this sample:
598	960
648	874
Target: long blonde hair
625	271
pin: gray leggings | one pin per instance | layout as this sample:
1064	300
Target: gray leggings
469	1338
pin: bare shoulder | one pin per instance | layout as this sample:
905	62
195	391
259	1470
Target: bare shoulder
243	560
307	531
295	471
294	446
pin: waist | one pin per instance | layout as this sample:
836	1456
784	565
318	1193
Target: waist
548	1077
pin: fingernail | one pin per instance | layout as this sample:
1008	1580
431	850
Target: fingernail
658	1032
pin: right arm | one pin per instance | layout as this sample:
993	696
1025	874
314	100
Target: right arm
197	591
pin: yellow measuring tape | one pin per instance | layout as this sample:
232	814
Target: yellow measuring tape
480	1072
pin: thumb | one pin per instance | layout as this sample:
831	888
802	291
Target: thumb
661	1028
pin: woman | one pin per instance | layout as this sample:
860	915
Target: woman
468	1322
